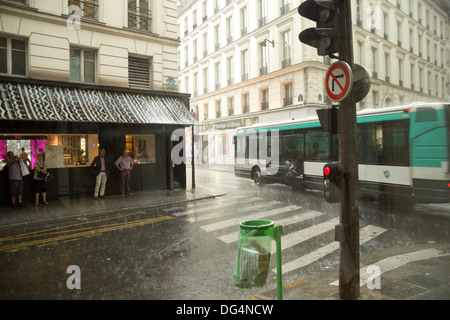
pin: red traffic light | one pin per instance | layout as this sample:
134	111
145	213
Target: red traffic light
326	170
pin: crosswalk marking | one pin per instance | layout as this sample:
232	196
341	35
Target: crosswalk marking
197	210
305	234
236	221
366	234
256	207
397	261
234	236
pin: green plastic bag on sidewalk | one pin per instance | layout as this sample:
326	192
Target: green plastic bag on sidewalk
254	248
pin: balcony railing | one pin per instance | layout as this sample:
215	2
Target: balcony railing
139	18
89	8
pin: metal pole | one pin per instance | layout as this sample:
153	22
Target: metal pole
193	160
347	233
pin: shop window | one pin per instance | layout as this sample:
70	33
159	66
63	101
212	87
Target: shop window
61	151
141	148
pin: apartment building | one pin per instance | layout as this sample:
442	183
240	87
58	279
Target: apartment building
243	63
79	75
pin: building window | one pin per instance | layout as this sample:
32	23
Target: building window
287	100
262	13
205	111
230	70
141	148
374	62
285	7
89	8
61	150
13	56
218	109
244	21
245	103
139	15
25	2
229	29
205	47
139	72
244	65
82	65
263	58
230	106
387	63
217	37
264	99
217	72
287	62
205	80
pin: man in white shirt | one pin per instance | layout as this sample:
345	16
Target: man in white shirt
124	164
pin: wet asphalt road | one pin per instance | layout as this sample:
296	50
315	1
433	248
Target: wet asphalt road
179	252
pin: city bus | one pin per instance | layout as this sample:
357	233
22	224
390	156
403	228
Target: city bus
403	152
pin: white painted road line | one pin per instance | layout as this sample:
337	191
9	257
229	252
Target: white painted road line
206	209
306	234
366	234
394	262
255	208
234	236
236	221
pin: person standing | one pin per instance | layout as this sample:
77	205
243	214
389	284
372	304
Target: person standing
15	180
39	180
101	168
124	164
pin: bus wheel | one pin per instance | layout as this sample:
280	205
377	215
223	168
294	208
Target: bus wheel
257	178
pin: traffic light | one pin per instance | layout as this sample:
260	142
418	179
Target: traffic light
333	174
328	119
330	19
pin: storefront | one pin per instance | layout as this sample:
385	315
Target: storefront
69	123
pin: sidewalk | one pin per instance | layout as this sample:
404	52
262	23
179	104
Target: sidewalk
66	208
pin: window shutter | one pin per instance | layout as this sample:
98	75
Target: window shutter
139	72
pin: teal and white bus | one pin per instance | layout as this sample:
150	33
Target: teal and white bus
403	152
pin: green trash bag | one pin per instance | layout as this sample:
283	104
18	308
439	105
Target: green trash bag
254	248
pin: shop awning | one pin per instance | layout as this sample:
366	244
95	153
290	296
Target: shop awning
43	102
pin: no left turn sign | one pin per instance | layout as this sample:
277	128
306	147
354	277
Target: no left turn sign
338	81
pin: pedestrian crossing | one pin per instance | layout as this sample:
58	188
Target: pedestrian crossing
222	218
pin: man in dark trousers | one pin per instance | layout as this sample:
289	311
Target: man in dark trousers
101	168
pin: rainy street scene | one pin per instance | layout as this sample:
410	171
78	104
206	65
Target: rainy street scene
240	152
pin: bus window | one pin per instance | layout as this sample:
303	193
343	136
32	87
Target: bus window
384	143
293	146
242	146
318	146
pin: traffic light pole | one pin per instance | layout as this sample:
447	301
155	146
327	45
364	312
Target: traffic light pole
347	232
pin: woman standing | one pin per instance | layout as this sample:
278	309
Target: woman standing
39	181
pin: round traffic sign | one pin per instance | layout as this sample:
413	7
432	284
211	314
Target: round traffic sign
338	81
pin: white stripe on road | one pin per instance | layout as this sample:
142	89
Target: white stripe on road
306	234
247	209
236	221
234	236
397	261
201	209
366	234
